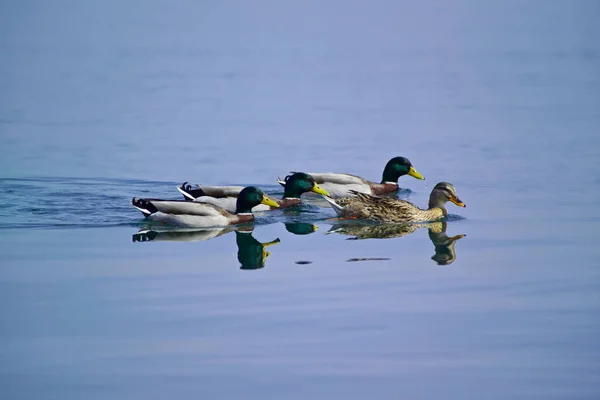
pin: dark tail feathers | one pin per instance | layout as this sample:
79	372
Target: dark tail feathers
194	192
144	236
145	206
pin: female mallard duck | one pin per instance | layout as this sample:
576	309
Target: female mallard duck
387	209
226	196
198	215
341	185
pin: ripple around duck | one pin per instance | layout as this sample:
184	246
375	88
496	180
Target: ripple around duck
99	202
72	202
455	217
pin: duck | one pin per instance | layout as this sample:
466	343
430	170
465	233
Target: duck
200	215
342	185
387	209
296	184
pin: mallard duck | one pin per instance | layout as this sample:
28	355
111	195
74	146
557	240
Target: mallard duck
341	185
226	196
387	209
198	215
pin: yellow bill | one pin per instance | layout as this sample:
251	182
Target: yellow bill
271	243
455	238
413	172
266	200
457	201
265	253
317	189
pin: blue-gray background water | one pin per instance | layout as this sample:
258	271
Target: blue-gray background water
103	101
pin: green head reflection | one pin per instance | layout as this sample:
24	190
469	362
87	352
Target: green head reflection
300	228
252	253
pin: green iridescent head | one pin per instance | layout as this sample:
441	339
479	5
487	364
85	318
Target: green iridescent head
252	196
299	183
397	167
252	253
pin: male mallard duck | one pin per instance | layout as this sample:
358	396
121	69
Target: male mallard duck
192	214
387	209
341	185
226	196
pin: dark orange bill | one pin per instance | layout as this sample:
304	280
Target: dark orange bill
457	201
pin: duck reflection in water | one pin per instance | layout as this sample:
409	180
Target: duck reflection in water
251	253
444	245
300	228
179	235
445	253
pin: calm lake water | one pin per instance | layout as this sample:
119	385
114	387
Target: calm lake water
103	101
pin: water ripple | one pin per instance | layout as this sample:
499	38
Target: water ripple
99	202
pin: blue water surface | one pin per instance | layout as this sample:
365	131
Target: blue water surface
103	101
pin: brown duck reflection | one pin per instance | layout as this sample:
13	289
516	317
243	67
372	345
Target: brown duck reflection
445	253
251	253
444	245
